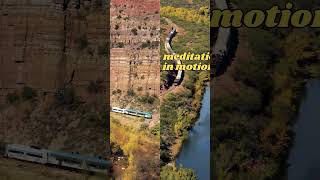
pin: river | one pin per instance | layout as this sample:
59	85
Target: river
304	158
195	152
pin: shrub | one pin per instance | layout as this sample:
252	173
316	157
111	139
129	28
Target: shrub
131	92
83	42
155	130
103	49
95	86
28	93
143	127
134	31
116	27
12	97
120	45
147	99
66	96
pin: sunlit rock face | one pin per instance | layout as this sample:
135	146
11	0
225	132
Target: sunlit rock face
135	53
50	44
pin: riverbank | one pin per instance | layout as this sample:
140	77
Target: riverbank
256	102
179	113
176	149
179	108
196	149
304	152
190	94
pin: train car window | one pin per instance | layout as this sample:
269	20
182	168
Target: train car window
16	152
35	147
34	155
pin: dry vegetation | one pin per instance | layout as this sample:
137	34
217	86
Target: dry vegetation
56	122
139	146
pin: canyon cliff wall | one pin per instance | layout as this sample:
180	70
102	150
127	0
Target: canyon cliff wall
50	44
135	47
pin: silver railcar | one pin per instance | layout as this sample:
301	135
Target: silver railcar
59	159
168	48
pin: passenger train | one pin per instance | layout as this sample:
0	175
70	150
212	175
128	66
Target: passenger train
222	42
147	115
59	159
168	48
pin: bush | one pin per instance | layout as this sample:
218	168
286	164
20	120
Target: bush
150	44
143	127
28	93
147	99
189	85
155	130
95	87
12	97
66	96
103	49
83	42
131	92
116	27
117	91
169	172
134	31
120	45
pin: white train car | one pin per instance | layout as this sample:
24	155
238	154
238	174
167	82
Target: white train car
147	115
64	160
169	50
59	159
118	110
221	45
77	161
26	153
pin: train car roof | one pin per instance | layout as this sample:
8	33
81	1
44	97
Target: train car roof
82	157
25	147
139	111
